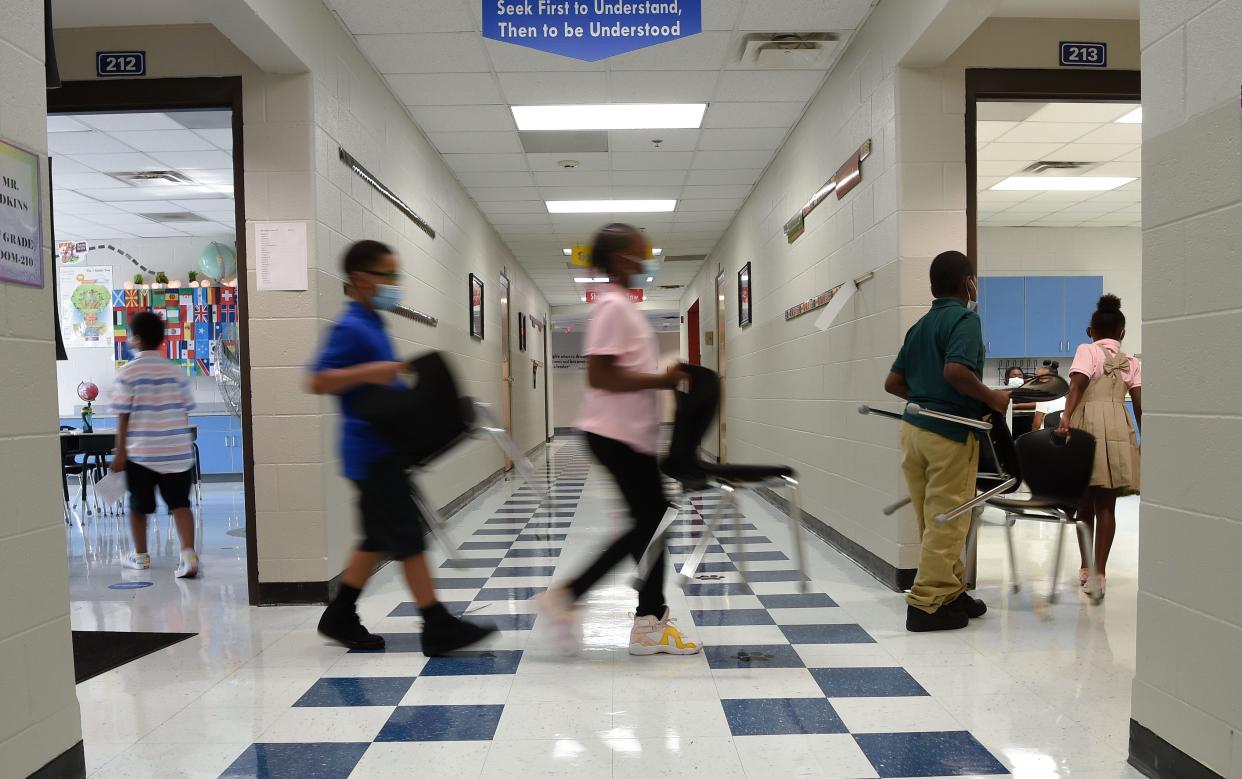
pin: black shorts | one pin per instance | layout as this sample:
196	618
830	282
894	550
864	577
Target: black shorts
142	481
391	521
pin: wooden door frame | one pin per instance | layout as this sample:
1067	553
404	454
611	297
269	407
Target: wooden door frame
506	357
721	326
181	94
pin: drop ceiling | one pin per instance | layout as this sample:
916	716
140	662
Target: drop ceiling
98	161
459	88
1011	136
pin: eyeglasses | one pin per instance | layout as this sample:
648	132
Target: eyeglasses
389	275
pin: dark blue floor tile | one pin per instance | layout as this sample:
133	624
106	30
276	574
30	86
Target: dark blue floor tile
505	621
716	567
550	552
545	525
471	562
408	609
296	761
454	583
516	519
866	683
553	515
357	691
396	642
484	545
515	510
497	531
514	571
743	539
735	527
943	753
774	576
542	537
826	634
781	716
487	662
725	588
688	548
508	593
755	656
810	600
441	723
757	556
719	617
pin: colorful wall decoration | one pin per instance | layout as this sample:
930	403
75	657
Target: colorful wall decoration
194	317
86	306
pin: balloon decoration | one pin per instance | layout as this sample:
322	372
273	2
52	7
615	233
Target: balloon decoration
88	391
217	261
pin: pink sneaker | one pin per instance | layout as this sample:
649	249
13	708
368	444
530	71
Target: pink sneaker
557	606
651	636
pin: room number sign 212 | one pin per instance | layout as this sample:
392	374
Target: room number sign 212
120	63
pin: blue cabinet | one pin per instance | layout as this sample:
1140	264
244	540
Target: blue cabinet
1045	316
1001	306
213	437
1082	293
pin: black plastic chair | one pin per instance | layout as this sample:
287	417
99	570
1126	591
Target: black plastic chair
1053	420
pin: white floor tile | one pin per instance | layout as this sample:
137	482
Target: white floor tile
427	758
820	756
566	757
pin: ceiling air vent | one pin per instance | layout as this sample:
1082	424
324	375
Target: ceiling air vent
672	286
788	49
174	216
1046	165
142	177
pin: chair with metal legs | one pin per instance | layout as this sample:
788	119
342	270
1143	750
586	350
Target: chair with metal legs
696	408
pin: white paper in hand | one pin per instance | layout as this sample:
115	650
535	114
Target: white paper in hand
111	488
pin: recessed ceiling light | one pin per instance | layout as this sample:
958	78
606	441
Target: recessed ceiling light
609	206
590	279
568	252
1134	117
633	116
1061	183
656	252
650	279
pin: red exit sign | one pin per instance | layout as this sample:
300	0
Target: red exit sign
635	295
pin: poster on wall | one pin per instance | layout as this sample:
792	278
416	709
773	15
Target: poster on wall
21	217
743	296
86	307
71	252
476	307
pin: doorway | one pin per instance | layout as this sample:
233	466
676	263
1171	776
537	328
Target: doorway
720	366
693	337
147	195
506	364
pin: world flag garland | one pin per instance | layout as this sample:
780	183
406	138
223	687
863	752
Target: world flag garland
194	318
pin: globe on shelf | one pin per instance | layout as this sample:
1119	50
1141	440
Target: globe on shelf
217	261
88	391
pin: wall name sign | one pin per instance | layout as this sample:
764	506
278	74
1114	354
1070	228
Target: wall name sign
845	179
806	307
120	63
590	30
635	295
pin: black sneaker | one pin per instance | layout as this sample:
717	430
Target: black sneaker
973	607
443	636
345	628
944	618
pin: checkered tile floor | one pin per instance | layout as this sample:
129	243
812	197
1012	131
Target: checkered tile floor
788	684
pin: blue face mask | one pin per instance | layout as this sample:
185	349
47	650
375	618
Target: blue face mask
386	297
649	270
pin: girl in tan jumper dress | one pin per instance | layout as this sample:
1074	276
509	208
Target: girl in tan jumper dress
1100	378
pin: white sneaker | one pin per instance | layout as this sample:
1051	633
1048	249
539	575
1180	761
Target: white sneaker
652	636
556	606
138	562
187	566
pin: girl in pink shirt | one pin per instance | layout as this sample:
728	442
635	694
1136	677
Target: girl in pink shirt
620	418
1100	378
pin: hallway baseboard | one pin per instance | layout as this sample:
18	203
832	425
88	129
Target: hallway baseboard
896	579
1157	758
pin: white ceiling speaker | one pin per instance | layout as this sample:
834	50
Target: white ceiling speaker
789	50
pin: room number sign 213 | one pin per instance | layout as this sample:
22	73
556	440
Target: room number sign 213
1075	54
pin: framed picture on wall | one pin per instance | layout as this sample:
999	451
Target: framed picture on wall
521	332
476	307
743	296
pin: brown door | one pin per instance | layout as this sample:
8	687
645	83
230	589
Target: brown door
693	335
506	364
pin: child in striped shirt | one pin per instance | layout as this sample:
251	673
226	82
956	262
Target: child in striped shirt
154	445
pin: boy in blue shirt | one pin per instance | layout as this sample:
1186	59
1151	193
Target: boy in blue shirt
359	353
940	367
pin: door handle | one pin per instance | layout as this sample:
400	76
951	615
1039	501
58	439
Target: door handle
508	380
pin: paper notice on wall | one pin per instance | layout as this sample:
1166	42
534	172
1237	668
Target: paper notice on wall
824	320
281	256
86	307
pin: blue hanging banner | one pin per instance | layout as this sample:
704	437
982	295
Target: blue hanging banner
590	30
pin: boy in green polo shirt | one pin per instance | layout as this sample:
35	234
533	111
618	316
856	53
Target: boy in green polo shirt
940	367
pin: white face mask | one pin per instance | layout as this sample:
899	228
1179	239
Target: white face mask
1017	381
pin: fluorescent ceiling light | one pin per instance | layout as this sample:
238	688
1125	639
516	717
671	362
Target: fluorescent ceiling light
1061	183
633	116
656	252
1134	117
590	279
650	279
609	206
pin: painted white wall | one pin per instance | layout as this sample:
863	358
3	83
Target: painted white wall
570	384
293	124
1188	689
39	717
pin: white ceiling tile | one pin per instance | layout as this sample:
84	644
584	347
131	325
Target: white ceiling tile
191	160
464	118
57	123
753	114
180	192
484	194
164	140
68	165
84	209
1003	111
1001	167
362	17
705	51
208	206
587	161
556	88
637	178
649	160
445	52
468	142
144	120
1131	169
1114	133
223	176
514	207
94	142
83	181
662	86
715	177
642	140
724	160
445	88
714	204
990	131
804	15
204	228
148	206
1045	132
573	178
471	179
768	85
1092	152
125	221
511	58
1081	112
503	218
1020	151
118	163
1134	156
152	230
575	193
220	138
718	139
646	192
726	192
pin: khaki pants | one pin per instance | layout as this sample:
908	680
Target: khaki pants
940	474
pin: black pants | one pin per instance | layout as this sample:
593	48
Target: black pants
638	477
